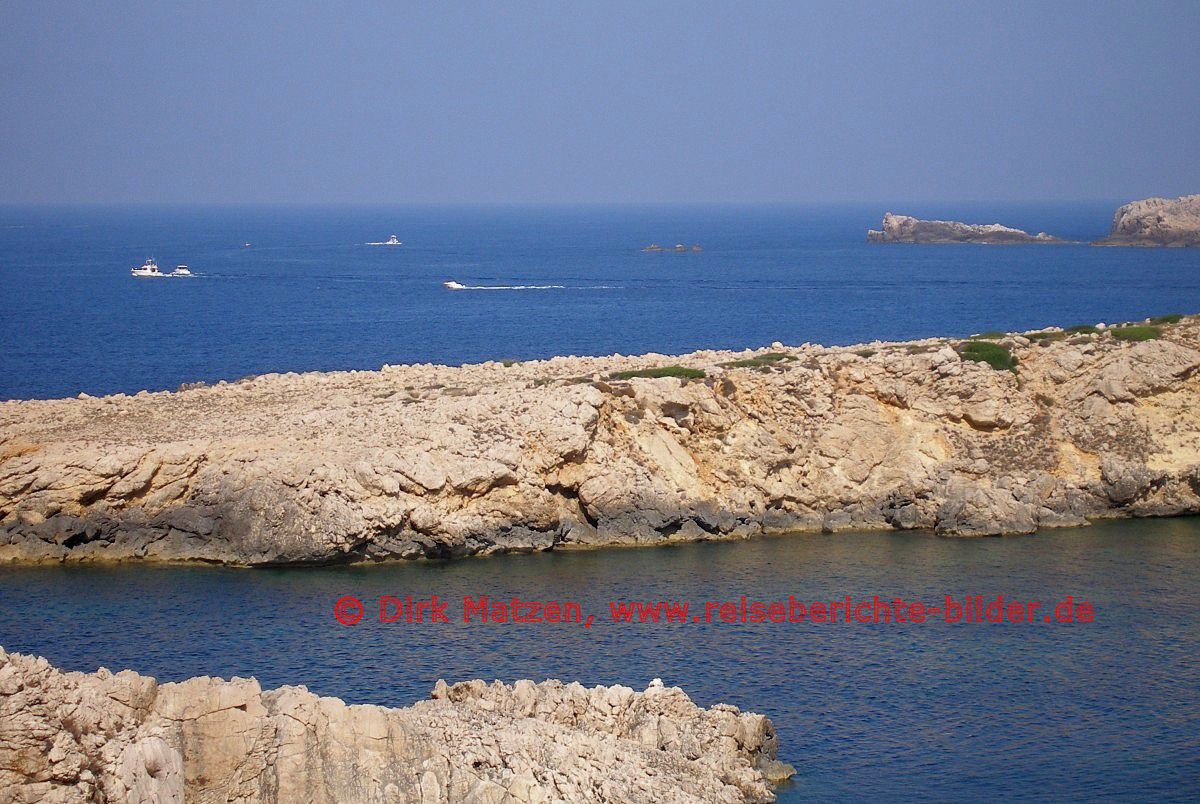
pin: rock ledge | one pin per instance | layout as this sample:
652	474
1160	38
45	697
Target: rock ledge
431	461
75	737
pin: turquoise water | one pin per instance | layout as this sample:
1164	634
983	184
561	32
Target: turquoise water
309	295
1104	710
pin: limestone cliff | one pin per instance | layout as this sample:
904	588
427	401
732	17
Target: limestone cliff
1156	222
104	737
905	229
424	460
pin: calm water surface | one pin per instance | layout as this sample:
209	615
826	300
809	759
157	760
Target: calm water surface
1105	710
309	295
1050	712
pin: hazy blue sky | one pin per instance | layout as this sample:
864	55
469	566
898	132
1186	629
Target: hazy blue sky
607	101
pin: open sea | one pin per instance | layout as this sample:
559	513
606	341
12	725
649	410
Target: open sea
1107	710
307	294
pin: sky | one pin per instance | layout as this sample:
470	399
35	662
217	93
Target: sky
582	102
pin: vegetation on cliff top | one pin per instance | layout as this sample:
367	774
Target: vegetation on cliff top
759	361
682	372
995	355
1145	333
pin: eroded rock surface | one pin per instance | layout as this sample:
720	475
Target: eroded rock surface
1156	222
906	229
104	737
423	460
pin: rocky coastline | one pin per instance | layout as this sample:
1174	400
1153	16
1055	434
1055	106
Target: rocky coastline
86	737
1156	222
906	229
1003	433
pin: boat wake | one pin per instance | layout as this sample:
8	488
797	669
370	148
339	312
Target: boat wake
452	285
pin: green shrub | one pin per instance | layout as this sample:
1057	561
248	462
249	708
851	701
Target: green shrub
681	372
865	353
994	335
1136	333
1048	401
1172	318
759	360
1082	329
995	355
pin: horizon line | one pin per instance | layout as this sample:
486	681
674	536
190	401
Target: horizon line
601	203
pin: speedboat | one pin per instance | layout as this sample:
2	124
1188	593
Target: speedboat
452	285
391	241
148	268
181	270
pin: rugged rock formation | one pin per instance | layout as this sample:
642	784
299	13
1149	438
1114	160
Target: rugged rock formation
100	737
424	460
903	229
1156	222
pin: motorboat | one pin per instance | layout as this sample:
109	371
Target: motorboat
148	268
391	241
678	248
181	270
452	285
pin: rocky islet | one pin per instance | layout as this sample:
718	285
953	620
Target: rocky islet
1150	222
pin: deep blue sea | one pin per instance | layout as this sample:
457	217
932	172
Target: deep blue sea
1107	710
308	294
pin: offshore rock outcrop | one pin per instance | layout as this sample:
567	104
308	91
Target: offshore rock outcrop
905	229
1172	222
104	737
424	460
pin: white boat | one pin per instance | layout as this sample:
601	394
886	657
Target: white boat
452	285
181	270
148	268
391	241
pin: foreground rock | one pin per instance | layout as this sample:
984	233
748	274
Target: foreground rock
904	229
75	737
1156	222
416	461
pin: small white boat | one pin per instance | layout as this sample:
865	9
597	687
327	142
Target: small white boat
452	285
391	241
181	270
148	268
